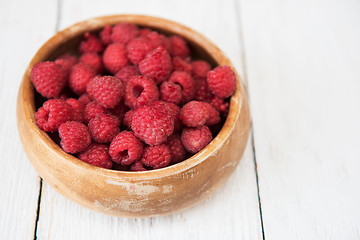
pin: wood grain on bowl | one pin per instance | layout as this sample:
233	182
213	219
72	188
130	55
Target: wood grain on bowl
134	194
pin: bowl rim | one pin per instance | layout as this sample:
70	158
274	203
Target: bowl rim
145	21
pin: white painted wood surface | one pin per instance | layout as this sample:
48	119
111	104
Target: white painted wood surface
302	64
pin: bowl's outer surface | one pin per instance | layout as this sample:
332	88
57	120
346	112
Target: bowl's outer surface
134	194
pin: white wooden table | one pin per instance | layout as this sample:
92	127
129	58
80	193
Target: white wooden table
300	175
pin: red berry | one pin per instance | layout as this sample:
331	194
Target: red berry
180	64
92	110
90	44
138	48
176	147
126	73
179	47
52	114
195	139
186	82
156	65
104	127
107	91
65	64
214	117
128	118
48	79
71	58
175	112
85	99
158	40
171	92
115	57
105	35
220	105
156	156
78	109
140	91
202	91
75	137
79	77
125	148
200	69
137	166
93	60
124	32
119	111
144	32
98	155
222	81
194	114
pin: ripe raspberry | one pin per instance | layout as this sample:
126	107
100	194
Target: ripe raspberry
79	76
222	81
144	32
115	57
126	73
119	111
220	105
194	114
92	110
140	91
52	114
179	47
175	112
104	127
158	40
90	44
156	156
78	109
72	59
138	48
98	155
137	166
124	32
48	79
105	35
186	82
200	69
202	91
65	64
156	65
75	137
94	61
85	99
125	148
180	64
153	124
107	91
214	117
171	92
176	147
195	139
128	118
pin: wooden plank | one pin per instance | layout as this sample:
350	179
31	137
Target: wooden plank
303	68
24	27
231	213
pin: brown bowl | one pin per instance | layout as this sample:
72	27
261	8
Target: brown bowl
134	194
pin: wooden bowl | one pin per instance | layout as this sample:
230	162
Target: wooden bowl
134	194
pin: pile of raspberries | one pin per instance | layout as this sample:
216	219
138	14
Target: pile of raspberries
133	99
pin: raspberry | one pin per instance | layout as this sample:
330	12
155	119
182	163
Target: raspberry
220	105
214	117
115	57
137	166
195	139
126	73
72	59
222	81
176	147
138	48
180	64
128	118
202	91
194	114
107	91
48	79
153	124
90	44
105	35
156	156
65	64
104	127
124	32
171	92
75	137
158	40
186	82
78	109
125	148
93	60
85	99
92	110
98	155
79	76
52	114
119	111
144	32
200	69
179	47
140	91
156	65
175	112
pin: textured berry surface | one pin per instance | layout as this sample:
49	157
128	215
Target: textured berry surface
179	47
78	109
220	105
171	92
140	91
200	69
65	64
137	166
52	114
119	111
125	148
75	137
107	91
175	112
176	147
71	58
214	117
138	48
221	81
85	99
156	156
93	109
79	77
126	73
124	32
128	118
105	35
186	82
180	64
202	91
153	124
91	44
98	155
194	114
48	79
94	61
195	139
104	127
156	65
115	57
